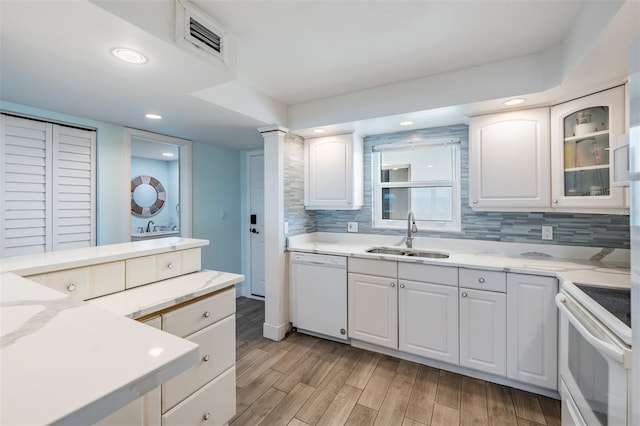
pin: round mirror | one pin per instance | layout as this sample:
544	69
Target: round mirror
147	196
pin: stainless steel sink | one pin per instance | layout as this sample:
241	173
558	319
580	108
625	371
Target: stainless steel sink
408	252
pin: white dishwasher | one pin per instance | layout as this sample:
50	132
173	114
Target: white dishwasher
319	295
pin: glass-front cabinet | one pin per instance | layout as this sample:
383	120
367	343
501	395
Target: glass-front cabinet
583	132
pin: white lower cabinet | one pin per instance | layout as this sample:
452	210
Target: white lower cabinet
483	330
373	309
532	330
428	321
214	404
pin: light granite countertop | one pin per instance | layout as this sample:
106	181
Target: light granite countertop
564	262
66	361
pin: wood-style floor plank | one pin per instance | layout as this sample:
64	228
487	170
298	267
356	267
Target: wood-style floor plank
376	388
247	396
500	405
473	403
304	381
361	416
338	411
423	396
363	370
318	403
445	416
284	412
448	393
395	402
260	409
527	406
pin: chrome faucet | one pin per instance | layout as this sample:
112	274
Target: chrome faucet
411	228
149	225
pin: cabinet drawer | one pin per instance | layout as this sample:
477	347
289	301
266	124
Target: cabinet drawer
199	315
217	354
85	283
381	268
446	275
214	404
148	269
483	280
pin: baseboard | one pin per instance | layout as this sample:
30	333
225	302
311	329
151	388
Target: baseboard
275	332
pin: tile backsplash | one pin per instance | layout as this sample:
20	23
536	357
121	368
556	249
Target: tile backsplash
568	228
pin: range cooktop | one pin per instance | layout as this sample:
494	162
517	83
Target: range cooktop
617	301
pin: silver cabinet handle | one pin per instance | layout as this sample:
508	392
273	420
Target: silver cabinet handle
170	265
206	416
481	280
71	287
392	284
475	201
401	285
206	358
206	314
555	201
464	294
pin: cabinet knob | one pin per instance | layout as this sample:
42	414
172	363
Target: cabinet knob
206	358
392	284
481	280
206	416
464	294
71	287
475	201
401	285
555	201
206	314
343	331
170	265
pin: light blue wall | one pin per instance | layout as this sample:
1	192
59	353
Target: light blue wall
216	190
111	161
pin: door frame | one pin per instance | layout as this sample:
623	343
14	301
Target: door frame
185	177
246	235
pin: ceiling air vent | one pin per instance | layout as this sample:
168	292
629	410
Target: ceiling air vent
199	32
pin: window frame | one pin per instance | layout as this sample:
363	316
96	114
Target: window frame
455	225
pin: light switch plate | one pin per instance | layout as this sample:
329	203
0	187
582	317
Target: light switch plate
352	226
547	232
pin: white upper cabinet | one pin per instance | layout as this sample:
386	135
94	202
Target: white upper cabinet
583	132
509	160
333	178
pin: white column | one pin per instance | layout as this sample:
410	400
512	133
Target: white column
276	321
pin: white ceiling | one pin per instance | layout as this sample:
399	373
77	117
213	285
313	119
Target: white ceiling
361	65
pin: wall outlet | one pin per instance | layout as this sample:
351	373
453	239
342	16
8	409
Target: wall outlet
352	226
547	232
286	227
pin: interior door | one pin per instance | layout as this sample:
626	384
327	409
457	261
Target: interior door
256	222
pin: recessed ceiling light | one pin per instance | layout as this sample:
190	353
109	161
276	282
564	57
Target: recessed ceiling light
406	123
153	116
167	154
129	56
318	130
512	102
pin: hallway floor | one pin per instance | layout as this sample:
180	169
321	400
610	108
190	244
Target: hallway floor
303	380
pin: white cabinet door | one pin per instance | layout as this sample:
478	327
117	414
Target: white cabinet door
483	330
373	310
334	172
583	132
532	330
428	320
509	165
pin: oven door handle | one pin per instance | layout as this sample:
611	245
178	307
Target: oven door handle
612	351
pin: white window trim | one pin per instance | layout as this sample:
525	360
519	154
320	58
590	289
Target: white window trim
455	225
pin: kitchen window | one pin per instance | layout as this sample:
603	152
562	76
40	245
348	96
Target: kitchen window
420	177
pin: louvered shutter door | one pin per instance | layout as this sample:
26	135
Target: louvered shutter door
73	187
25	186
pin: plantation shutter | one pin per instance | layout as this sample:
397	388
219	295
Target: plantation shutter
47	187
